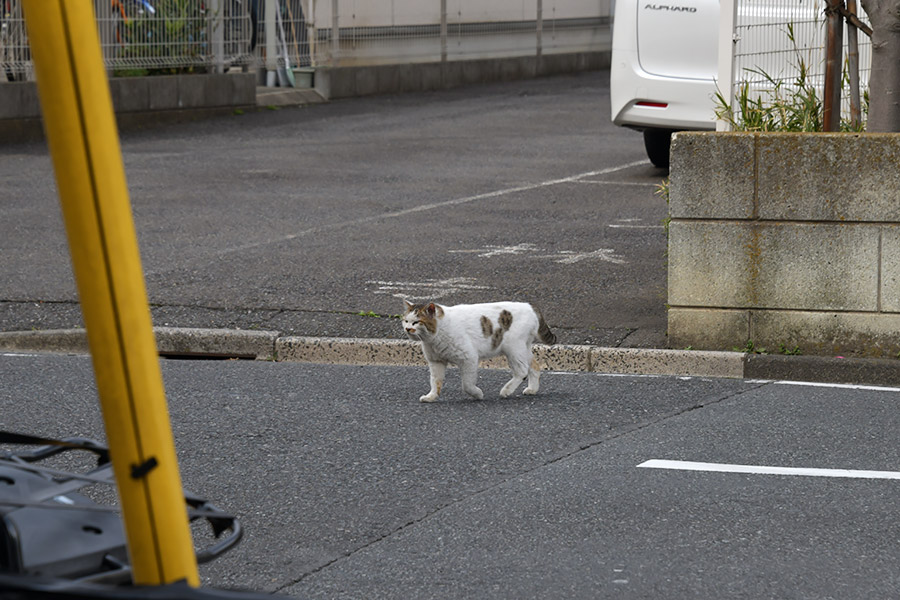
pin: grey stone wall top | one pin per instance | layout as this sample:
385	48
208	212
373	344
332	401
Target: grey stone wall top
713	176
865	185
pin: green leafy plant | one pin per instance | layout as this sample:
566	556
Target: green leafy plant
795	351
778	108
175	32
662	190
771	104
751	348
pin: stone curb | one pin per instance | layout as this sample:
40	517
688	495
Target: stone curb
271	345
232	343
170	341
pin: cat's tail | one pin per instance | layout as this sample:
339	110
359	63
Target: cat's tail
544	332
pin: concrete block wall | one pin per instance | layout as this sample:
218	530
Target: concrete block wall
136	100
143	101
786	240
178	92
349	81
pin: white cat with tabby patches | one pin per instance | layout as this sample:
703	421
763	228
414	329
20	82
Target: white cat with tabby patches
463	334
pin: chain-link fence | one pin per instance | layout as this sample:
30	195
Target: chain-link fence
140	36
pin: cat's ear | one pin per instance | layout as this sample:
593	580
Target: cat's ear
431	309
407	306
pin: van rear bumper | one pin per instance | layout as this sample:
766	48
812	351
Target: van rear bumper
689	104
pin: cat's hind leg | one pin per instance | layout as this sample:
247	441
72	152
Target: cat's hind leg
518	364
534	379
436	372
468	373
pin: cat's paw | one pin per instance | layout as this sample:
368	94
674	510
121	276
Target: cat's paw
530	391
509	389
476	393
428	398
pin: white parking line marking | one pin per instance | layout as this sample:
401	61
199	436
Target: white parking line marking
421	208
632	224
626	183
567	257
842	386
681	465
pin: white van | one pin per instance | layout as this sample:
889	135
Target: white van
664	65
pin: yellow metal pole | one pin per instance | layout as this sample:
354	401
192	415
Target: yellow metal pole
84	144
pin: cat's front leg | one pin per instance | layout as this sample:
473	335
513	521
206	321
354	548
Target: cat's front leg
436	371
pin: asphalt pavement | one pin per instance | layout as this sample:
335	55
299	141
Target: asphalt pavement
304	226
312	220
349	487
315	220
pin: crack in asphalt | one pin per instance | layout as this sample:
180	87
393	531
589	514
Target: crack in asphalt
618	434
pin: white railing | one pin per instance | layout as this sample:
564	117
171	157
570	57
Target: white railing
139	36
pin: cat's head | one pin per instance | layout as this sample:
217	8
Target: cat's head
420	321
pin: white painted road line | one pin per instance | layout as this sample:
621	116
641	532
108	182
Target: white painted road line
624	183
423	207
842	386
681	465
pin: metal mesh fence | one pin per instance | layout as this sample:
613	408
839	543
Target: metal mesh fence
178	35
782	45
15	58
282	34
375	31
139	36
214	35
